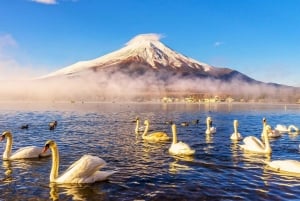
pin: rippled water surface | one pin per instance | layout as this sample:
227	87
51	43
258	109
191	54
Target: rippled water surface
146	171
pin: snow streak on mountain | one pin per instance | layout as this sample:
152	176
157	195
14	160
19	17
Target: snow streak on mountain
147	67
146	50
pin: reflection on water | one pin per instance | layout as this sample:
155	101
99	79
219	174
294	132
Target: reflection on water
177	166
7	171
219	170
75	192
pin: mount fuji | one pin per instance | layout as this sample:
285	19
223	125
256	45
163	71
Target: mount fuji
147	66
146	54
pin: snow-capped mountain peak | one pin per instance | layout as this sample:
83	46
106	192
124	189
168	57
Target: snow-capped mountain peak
143	48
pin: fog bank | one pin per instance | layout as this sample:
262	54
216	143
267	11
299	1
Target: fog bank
91	86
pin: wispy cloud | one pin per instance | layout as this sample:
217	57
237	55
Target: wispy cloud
10	67
143	37
7	40
218	43
45	1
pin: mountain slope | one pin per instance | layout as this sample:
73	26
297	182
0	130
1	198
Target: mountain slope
145	53
145	66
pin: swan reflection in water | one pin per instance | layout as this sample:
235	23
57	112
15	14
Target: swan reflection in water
8	171
75	191
176	166
234	147
254	160
287	179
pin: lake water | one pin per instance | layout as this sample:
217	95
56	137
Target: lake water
146	171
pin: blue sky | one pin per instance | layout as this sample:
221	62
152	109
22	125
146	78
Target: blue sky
260	38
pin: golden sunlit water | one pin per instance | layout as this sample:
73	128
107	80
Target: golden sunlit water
219	170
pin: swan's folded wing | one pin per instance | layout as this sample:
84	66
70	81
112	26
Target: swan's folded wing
292	166
281	128
86	166
253	143
27	152
157	134
181	148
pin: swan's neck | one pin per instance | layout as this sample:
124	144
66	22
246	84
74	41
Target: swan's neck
174	132
146	130
264	125
267	142
208	125
55	164
292	127
137	126
9	142
235	129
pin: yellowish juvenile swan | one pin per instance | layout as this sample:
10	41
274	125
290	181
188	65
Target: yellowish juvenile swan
209	128
22	153
155	136
179	148
84	170
236	135
289	166
253	144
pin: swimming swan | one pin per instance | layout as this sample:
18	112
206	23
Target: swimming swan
236	135
179	148
155	136
281	128
84	170
253	144
209	128
22	153
290	166
284	129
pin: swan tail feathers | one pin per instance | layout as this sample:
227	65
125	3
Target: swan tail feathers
102	175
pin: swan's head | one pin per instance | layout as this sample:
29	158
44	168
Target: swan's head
173	126
146	122
5	134
235	122
264	120
137	118
208	119
49	144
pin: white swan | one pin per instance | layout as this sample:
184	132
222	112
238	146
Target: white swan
281	128
253	144
284	129
271	133
236	135
179	148
209	128
22	153
155	136
138	128
289	166
84	170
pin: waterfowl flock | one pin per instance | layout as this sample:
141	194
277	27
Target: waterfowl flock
249	143
84	170
87	168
